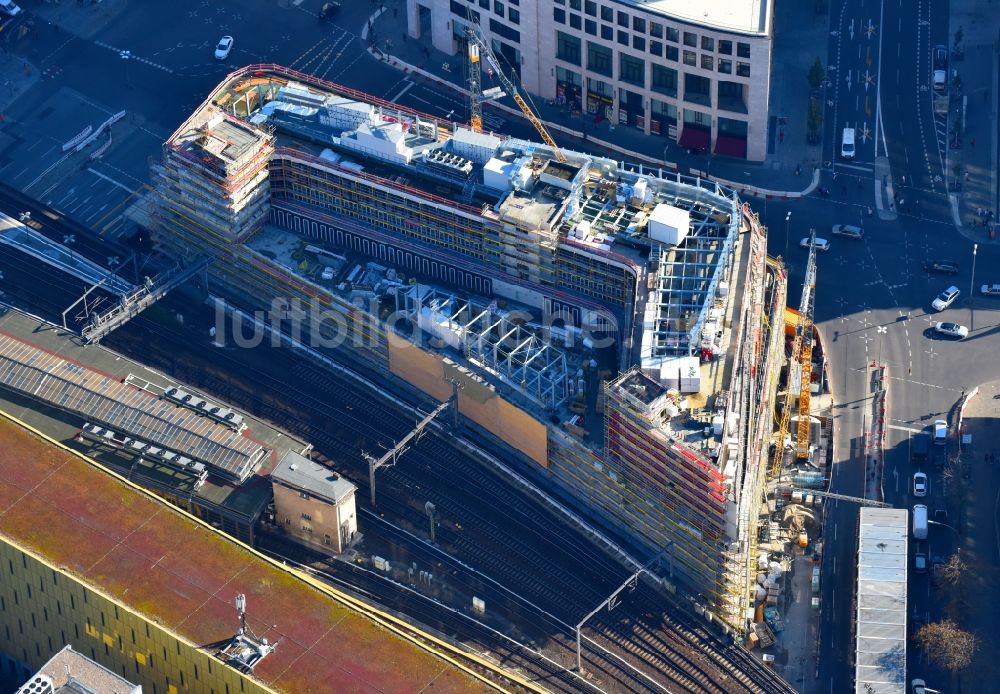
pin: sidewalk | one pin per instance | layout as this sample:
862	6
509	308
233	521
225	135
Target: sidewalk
17	76
83	19
794	51
977	156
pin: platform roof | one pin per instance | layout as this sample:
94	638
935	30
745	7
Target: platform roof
184	576
99	398
880	663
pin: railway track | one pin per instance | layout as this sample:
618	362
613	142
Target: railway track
558	574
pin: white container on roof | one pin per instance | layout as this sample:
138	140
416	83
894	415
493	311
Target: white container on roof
479	147
669	224
498	174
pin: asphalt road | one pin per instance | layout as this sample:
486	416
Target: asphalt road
881	59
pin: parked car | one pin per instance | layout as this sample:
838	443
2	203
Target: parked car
820	244
847	231
329	10
918	686
9	8
952	330
225	46
990	289
940	57
940	80
920	563
919	484
847	143
945	298
940	432
941	267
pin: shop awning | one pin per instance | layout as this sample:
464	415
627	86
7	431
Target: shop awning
693	137
730	146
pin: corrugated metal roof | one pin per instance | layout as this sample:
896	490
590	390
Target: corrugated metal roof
99	398
880	660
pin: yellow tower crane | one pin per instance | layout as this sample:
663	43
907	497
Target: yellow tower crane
801	354
478	48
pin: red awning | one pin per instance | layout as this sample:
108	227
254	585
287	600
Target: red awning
730	146
695	138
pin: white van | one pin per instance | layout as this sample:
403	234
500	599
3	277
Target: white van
847	144
919	522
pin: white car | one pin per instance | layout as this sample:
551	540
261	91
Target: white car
9	8
918	687
940	432
990	289
951	330
919	484
848	231
945	298
940	80
821	244
224	47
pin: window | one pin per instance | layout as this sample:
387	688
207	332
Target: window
559	15
743	50
656	30
590	8
656	48
664	80
731	96
639	43
726	47
623	20
574	5
607	33
498	7
567	48
485	4
673	53
303	495
574	21
707	43
725	66
599	58
623	37
639	24
514	16
673	34
707	62
590	26
690	58
631	70
505	31
607	14
306	516
690	39
743	69
697	89
560	2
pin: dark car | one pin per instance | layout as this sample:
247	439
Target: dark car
941	267
940	58
329	10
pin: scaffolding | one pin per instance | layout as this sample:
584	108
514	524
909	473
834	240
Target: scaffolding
500	342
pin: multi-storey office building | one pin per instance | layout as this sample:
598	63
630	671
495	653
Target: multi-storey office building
696	73
673	269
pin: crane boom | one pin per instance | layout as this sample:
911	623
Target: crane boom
478	47
805	353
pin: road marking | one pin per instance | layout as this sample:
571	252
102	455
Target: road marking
908	429
111	180
928	385
856	167
410	85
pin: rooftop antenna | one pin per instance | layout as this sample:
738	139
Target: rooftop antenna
241	609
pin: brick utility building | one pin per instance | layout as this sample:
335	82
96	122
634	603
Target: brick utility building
313	504
69	672
695	73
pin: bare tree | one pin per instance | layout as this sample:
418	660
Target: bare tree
953	570
947	645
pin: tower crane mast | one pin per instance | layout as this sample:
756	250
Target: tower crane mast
477	50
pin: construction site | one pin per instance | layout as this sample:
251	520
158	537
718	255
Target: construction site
617	330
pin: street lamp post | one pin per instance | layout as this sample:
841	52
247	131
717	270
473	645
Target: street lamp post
881	330
945	525
788	217
972	286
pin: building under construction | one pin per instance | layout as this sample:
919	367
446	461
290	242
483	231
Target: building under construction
618	326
